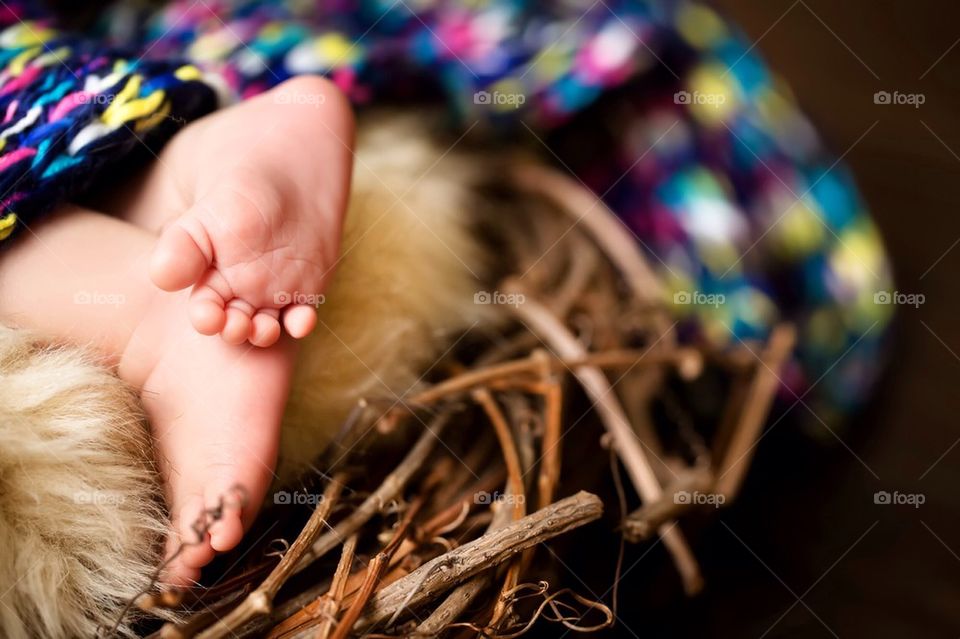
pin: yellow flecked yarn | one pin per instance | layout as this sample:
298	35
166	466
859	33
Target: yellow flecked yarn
18	64
187	73
133	109
700	25
7	224
129	90
153	120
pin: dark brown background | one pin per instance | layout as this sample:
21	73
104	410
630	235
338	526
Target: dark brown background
807	527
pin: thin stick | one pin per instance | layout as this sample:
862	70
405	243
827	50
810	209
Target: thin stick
260	601
389	489
509	448
580	270
552	431
644	480
733	468
454	605
331	601
643	523
462	506
515	487
520	342
375	571
605	227
198	621
525	424
461	597
440	574
688	362
476	460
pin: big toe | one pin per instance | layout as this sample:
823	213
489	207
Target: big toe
228	501
181	256
188	546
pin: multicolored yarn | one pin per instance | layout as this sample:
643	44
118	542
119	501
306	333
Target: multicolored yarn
660	106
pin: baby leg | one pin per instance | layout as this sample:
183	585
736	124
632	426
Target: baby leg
214	408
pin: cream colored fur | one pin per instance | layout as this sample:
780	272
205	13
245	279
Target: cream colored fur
80	516
79	503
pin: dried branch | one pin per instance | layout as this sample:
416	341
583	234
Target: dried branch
509	448
260	601
330	602
454	605
552	432
604	226
759	397
515	489
439	575
687	361
642	524
389	489
539	319
461	597
374	572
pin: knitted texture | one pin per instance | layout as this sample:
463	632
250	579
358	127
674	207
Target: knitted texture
659	106
69	109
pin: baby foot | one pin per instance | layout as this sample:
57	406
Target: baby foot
263	188
215	411
214	408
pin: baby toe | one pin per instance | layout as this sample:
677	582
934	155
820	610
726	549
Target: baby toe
227	531
190	541
266	328
300	320
238	326
207	313
181	256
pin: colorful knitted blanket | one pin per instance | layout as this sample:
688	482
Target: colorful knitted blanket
660	106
